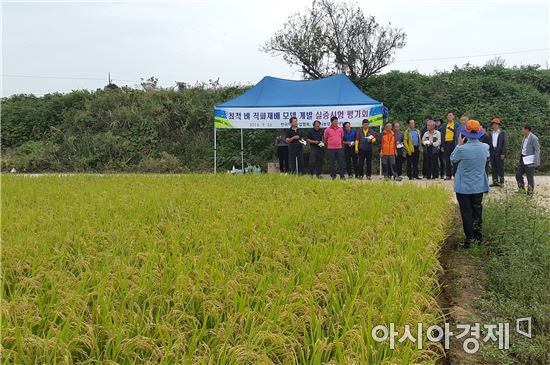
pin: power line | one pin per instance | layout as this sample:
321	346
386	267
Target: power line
409	60
478	55
64	78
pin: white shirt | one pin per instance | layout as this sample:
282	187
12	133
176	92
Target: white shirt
495	138
524	146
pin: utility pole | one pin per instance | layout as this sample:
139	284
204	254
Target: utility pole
109	77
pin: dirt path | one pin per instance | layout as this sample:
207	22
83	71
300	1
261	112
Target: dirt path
541	196
462	283
542	188
463	277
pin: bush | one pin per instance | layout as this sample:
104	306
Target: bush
115	129
164	163
31	156
516	95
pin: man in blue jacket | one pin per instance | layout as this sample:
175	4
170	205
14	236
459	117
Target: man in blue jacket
471	182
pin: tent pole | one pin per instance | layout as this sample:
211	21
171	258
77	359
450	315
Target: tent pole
215	151
242	151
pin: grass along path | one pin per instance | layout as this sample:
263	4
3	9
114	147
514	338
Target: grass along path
506	278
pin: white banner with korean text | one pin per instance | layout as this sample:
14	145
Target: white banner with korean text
278	117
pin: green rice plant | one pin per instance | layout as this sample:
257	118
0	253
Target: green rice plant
205	269
517	265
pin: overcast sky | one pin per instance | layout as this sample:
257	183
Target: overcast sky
200	40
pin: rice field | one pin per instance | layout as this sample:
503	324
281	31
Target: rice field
204	269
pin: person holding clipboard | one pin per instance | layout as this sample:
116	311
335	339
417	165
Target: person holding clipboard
530	158
295	140
364	142
449	144
316	152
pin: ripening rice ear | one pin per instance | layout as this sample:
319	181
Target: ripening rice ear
221	248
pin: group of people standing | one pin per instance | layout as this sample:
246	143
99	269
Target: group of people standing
350	151
347	150
437	141
461	149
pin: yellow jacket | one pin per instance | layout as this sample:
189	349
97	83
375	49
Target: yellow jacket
408	142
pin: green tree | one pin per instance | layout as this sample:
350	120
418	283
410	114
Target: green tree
333	37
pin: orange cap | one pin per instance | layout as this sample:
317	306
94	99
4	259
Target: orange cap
472	126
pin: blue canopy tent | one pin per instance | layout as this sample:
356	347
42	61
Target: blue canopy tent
271	102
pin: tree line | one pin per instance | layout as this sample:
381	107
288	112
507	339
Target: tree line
161	130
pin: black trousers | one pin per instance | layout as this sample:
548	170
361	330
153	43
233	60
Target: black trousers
497	167
282	152
471	210
449	168
296	158
333	156
432	163
424	163
316	156
412	164
351	160
527	170
399	162
441	160
361	158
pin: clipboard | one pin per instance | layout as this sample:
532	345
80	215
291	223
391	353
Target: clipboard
528	160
